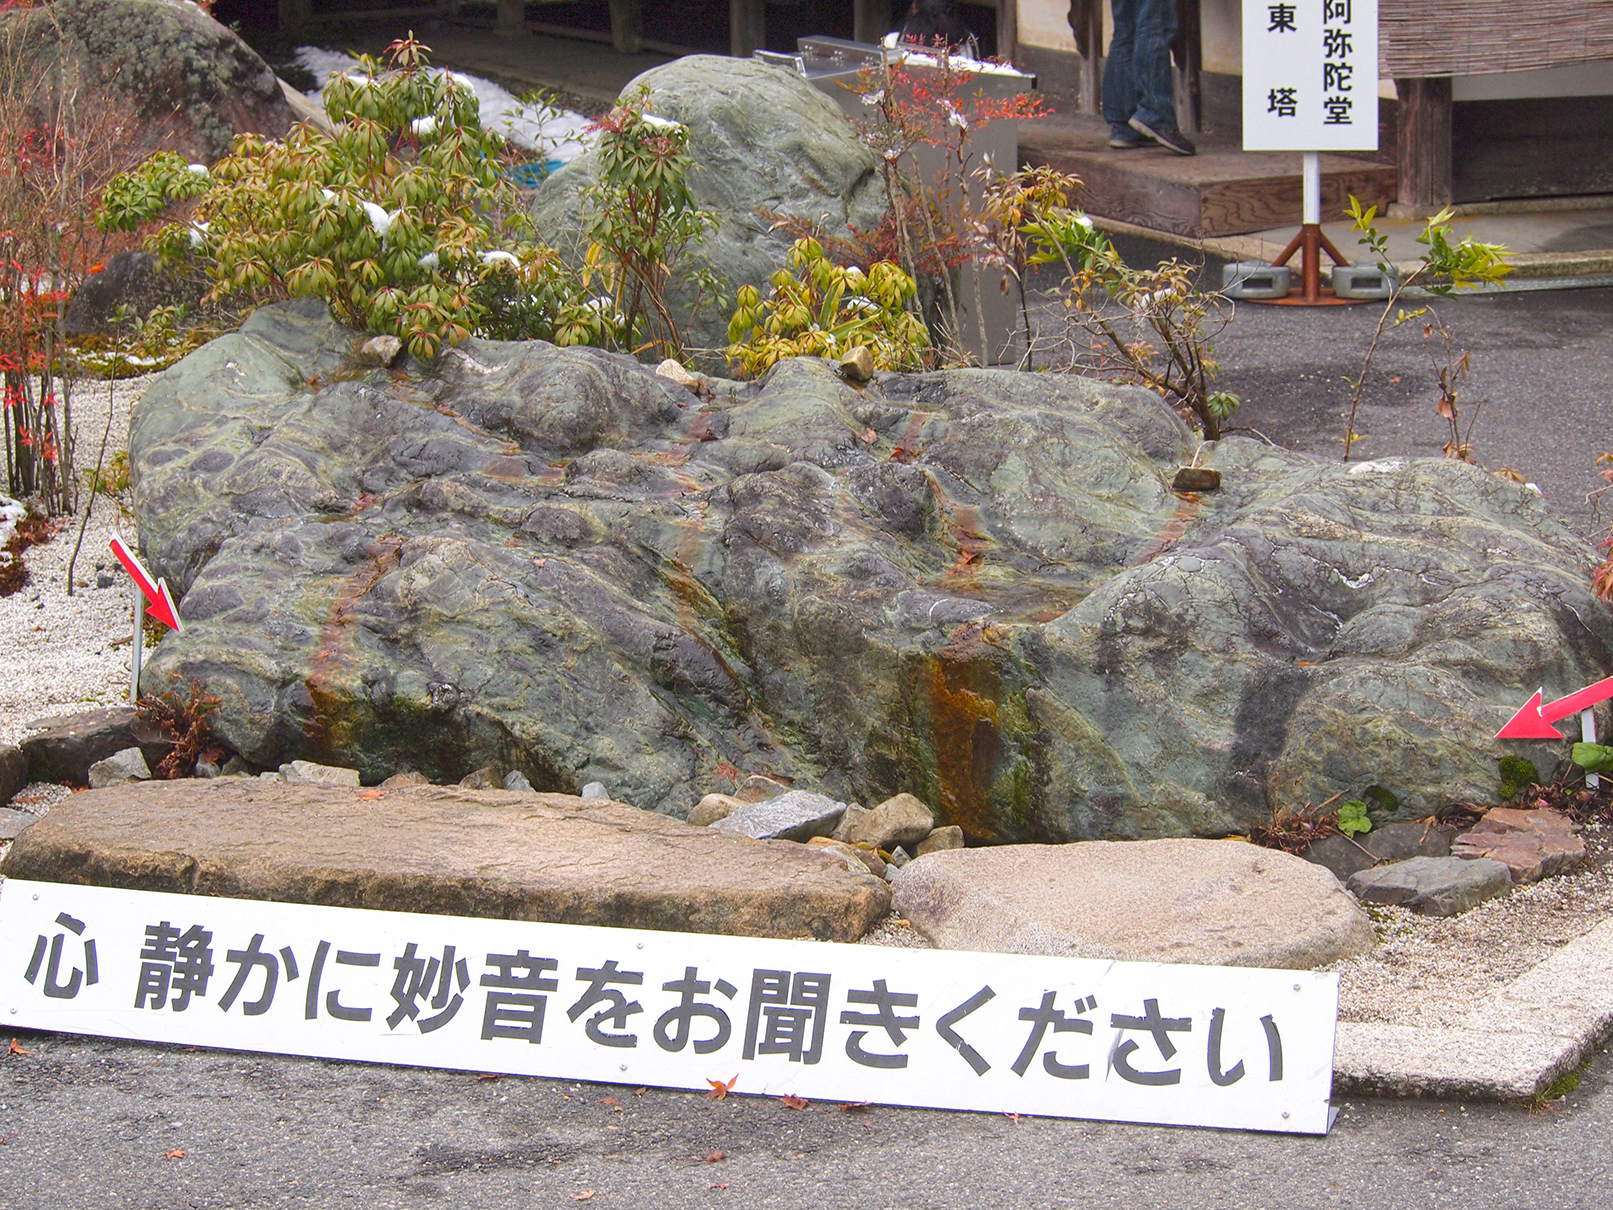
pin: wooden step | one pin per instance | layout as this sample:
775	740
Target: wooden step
1220	191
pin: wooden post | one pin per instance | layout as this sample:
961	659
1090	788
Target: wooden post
1424	151
871	20
1190	50
511	17
627	26
1007	30
747	27
1086	23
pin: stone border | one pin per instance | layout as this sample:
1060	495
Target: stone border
1518	1043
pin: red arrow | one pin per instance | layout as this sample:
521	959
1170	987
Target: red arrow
155	590
1534	720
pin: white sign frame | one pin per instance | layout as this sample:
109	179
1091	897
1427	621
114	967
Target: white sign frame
1308	65
961	1054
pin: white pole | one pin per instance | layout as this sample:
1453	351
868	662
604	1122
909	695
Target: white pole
1587	732
137	644
1313	187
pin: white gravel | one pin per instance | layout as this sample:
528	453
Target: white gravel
71	653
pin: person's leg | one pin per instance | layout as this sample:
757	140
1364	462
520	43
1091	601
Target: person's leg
1119	80
1151	64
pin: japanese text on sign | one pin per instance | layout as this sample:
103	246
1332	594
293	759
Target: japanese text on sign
1310	75
1057	1036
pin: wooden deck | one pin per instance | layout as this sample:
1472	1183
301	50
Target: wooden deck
1220	191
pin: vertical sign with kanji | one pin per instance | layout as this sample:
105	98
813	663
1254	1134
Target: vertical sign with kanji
1142	1042
1310	75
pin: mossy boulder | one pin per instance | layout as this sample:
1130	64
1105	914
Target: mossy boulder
180	80
975	586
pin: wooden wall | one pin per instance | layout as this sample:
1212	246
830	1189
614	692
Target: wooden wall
1471	37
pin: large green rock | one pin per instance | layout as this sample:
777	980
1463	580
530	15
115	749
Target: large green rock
764	142
972	585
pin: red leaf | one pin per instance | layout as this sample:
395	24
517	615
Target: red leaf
716	1157
585	1195
372	793
609	1101
855	1107
490	1075
14	1049
638	1092
719	1090
178	1153
791	1101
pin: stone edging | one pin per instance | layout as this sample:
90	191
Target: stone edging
1518	1043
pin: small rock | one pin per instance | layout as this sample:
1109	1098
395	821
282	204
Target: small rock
1434	886
105	579
235	767
1196	479
1532	844
673	369
849	820
380	350
307	773
868	859
940	840
1386	842
797	815
69	744
266	775
902	820
205	768
12	822
857	366
759	788
900	857
516	780
406	777
125	765
594	789
711	808
485	778
13	772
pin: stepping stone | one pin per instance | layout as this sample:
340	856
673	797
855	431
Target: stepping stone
1219	902
1434	886
1386	842
1533	844
902	820
796	815
448	851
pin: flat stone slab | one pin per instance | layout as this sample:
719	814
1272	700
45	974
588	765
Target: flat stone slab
1386	842
1434	886
1218	902
1532	844
70	743
447	851
795	815
12	822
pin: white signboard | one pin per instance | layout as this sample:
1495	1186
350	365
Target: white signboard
1185	1045
1310	75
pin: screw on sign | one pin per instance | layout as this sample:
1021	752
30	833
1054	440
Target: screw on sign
147	588
1535	719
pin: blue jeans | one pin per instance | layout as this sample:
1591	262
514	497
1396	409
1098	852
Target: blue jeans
1137	74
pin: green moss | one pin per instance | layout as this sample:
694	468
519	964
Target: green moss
1516	774
1381	801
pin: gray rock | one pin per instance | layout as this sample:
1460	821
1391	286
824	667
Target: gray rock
405	777
1386	842
711	808
69	744
1434	886
899	857
13	772
594	789
757	788
105	579
12	822
849	820
235	767
139	283
762	139
206	768
866	859
516	780
528	583
485	778
901	820
126	765
797	815
267	775
443	850
1218	902
307	773
380	350
940	840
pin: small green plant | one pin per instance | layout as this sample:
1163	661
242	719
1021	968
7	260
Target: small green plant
113	479
1593	758
1517	775
1446	268
404	222
1353	820
820	309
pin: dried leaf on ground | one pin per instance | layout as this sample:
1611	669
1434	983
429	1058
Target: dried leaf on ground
719	1090
791	1101
14	1049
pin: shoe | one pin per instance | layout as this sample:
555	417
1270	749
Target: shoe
1121	142
1173	140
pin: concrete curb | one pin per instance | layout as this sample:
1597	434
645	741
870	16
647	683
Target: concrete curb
1516	1044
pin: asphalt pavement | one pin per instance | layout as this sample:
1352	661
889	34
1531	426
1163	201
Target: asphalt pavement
92	1123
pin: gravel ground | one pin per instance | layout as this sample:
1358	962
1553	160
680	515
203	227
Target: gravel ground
73	654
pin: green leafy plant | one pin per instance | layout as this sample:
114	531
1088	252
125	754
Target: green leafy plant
1593	758
1445	268
1111	302
1353	820
404	222
819	309
643	216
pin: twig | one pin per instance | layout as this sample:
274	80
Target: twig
89	505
